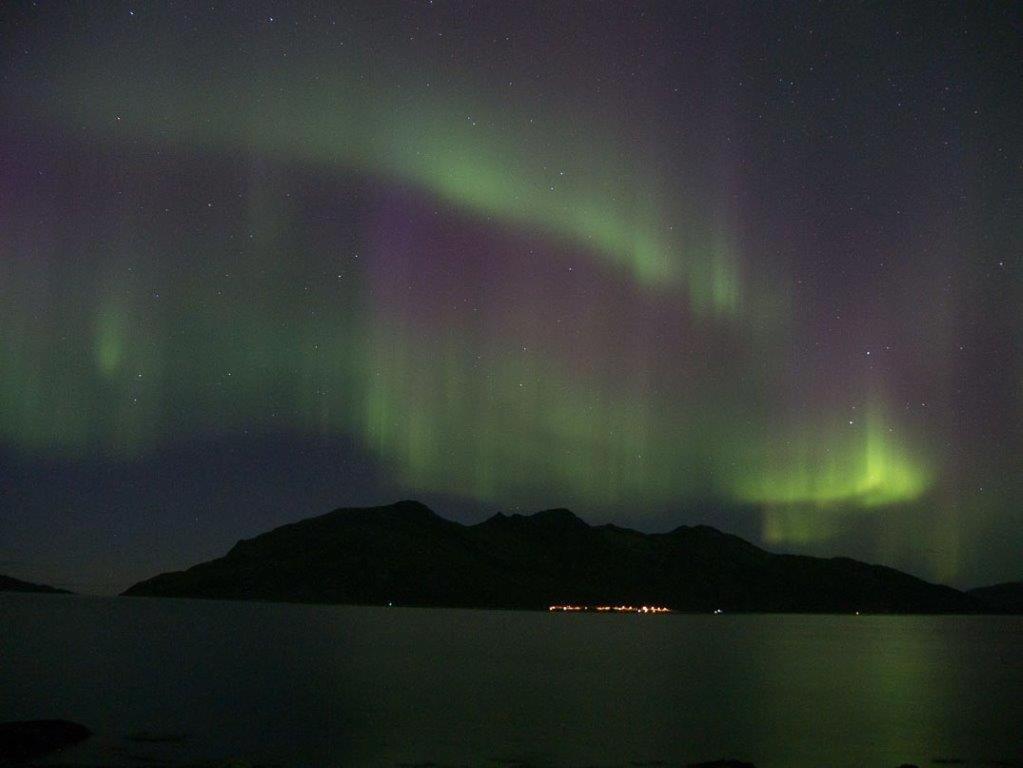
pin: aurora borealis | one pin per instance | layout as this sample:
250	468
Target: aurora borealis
662	263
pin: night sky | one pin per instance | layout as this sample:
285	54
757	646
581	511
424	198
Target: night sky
750	265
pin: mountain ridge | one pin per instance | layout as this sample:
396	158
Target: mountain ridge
1005	597
406	554
11	584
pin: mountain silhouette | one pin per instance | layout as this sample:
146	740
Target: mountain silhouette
9	584
405	554
1001	598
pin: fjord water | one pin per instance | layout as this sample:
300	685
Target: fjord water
190	681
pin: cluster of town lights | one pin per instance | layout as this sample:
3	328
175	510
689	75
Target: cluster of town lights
611	608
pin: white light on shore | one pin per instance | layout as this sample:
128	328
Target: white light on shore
610	608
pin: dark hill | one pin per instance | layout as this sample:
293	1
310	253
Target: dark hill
8	584
406	554
1001	598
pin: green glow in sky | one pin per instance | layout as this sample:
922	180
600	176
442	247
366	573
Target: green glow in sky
214	307
549	174
866	466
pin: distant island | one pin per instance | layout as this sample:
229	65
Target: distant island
404	554
9	584
1003	598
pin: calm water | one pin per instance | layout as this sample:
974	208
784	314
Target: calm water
181	681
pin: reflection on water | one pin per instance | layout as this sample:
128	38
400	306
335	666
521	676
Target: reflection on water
180	681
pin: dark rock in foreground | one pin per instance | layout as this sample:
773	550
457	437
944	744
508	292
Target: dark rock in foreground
406	555
8	584
33	738
1001	598
722	764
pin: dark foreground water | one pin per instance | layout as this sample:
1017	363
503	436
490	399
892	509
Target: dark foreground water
185	682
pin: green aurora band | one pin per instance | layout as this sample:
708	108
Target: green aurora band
447	412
